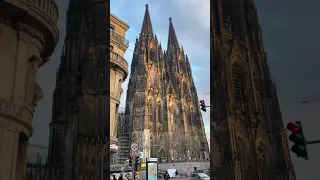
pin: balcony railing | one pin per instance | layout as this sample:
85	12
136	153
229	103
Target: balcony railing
45	12
49	7
120	38
120	61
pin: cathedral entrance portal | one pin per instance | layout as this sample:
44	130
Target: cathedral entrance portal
162	156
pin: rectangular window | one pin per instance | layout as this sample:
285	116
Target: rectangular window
111	48
111	29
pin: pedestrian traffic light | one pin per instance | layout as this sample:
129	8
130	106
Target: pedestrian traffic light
300	146
130	161
137	160
203	105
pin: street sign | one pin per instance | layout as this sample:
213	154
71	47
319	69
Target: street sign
134	147
141	155
152	159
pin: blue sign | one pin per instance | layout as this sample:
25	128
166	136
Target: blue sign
152	159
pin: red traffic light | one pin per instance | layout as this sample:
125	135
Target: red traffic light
130	158
201	101
293	127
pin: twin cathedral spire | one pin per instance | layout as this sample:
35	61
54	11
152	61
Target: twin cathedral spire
175	61
161	89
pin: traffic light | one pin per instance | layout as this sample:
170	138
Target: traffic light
137	162
130	161
203	105
300	146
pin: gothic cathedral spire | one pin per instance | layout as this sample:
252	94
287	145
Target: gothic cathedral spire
172	38
147	26
162	102
248	138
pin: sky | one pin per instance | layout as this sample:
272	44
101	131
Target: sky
191	23
292	40
193	35
291	37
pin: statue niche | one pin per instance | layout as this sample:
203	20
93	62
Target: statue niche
159	114
34	92
173	118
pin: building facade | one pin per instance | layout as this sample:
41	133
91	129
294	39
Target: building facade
28	36
118	71
79	130
248	140
162	103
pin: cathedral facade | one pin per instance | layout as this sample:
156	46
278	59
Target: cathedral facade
79	130
162	103
248	140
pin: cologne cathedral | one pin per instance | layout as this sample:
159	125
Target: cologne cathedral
79	128
162	103
248	139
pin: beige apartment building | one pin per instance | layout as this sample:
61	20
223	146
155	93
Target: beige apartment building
24	47
118	73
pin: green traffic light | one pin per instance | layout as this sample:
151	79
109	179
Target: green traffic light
299	150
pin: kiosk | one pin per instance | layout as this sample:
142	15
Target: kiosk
152	168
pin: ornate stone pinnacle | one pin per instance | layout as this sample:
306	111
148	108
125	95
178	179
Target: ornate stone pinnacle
170	19
147	6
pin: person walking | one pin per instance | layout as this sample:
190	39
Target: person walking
114	177
176	173
121	177
128	176
166	176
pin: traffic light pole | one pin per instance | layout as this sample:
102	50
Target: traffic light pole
313	142
134	165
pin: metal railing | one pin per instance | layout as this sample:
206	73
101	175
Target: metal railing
120	38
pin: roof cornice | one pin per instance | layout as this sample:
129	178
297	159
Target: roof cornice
119	22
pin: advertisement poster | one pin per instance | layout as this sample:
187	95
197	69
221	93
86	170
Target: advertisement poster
152	170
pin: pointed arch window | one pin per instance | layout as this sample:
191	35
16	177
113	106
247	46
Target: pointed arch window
151	111
238	84
159	113
190	116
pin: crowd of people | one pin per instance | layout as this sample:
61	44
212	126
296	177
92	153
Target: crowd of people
128	176
121	177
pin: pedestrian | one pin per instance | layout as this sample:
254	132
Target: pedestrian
166	176
111	177
114	177
128	176
121	177
176	173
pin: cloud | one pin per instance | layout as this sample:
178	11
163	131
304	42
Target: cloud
191	21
